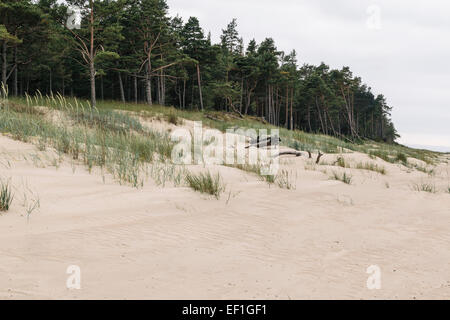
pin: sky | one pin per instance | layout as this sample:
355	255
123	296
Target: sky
399	48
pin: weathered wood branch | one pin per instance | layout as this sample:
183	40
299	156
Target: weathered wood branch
285	153
318	157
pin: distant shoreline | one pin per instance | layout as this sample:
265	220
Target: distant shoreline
427	147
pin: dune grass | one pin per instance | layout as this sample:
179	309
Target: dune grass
206	183
299	140
424	187
108	139
285	180
344	177
371	167
6	197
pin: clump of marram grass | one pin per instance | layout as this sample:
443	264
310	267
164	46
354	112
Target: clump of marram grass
401	157
371	167
345	177
256	169
430	172
285	181
448	190
6	197
424	187
206	183
341	162
173	118
269	178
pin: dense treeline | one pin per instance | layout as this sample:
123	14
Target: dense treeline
131	50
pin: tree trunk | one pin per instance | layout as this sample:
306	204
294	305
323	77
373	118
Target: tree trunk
286	124
92	78
50	86
199	86
148	82
91	57
4	65
122	92
292	109
102	91
15	76
135	83
184	93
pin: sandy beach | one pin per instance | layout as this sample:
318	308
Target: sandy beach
257	241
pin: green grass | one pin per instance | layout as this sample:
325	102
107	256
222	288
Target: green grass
108	139
206	183
298	140
401	157
269	178
344	177
6	197
173	118
430	172
371	167
341	162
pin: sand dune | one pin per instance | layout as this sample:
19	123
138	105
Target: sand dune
256	241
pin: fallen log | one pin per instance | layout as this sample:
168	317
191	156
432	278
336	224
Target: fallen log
285	153
213	118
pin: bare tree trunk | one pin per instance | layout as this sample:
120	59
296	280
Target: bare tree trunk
292	109
102	91
320	116
309	118
50	87
4	65
91	57
122	92
135	88
287	108
163	88
242	95
199	86
15	76
148	83
184	94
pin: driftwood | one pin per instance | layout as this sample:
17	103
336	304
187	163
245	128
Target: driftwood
213	118
263	143
285	153
318	157
309	154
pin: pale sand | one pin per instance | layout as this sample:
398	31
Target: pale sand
262	242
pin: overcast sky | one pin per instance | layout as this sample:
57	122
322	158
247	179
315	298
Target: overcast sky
399	48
